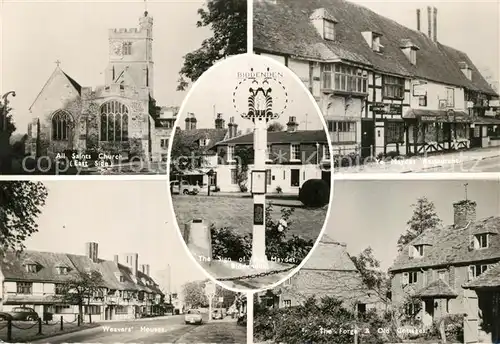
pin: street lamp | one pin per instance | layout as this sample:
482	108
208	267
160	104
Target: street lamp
260	106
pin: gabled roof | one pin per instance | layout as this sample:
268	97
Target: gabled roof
286	28
438	288
58	71
284	137
189	137
450	245
488	279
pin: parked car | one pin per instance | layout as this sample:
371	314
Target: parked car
183	187
23	314
193	316
5	316
217	315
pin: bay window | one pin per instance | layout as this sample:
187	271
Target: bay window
344	78
342	131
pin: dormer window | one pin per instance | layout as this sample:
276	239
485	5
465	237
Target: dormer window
373	40
31	268
416	251
477	270
464	67
479	241
204	142
324	23
419	250
329	30
410	50
62	270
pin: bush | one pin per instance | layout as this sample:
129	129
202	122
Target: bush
346	160
314	193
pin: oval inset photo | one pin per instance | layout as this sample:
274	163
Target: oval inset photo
249	169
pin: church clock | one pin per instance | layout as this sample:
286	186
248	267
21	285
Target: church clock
117	49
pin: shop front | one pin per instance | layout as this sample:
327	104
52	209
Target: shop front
429	131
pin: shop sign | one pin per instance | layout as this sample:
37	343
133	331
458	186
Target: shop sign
419	90
378	107
396	109
428	118
494	103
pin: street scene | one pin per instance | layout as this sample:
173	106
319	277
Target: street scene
403	87
110	108
420	266
96	286
250	172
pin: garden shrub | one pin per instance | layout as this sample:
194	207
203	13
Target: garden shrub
314	193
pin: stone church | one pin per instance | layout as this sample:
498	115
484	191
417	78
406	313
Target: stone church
120	117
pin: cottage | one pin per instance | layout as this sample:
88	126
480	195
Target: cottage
329	271
36	279
439	267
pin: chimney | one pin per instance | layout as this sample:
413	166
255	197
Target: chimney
292	124
418	19
91	249
429	22
132	260
464	212
146	269
219	121
190	121
434	25
232	128
115	259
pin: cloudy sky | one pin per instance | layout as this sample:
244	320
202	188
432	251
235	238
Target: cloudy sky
374	213
214	91
122	217
457	26
36	34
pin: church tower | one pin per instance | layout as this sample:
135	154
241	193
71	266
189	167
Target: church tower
131	55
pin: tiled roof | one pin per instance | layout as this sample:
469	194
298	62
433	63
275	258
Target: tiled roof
286	28
438	288
450	245
330	272
13	270
189	137
488	279
276	137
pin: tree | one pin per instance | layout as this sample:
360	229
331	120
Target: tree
275	126
369	268
244	157
186	153
81	288
424	218
20	205
194	294
228	21
7	127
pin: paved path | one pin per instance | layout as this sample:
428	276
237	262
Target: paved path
475	160
165	330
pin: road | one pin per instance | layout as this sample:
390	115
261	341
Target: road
165	330
485	165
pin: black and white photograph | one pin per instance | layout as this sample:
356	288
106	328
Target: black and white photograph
87	262
94	87
404	86
249	172
401	261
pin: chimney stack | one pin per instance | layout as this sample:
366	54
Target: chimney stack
434	25
132	260
219	121
418	19
115	259
429	22
190	121
464	212
232	128
292	124
92	251
144	268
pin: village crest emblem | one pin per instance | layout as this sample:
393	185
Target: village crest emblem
260	94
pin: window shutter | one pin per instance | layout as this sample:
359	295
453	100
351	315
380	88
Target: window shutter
411	251
472	242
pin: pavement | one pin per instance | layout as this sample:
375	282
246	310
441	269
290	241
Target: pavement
170	329
469	161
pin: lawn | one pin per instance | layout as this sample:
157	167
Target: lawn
237	213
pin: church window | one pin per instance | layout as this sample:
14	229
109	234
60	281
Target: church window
61	126
114	122
127	48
